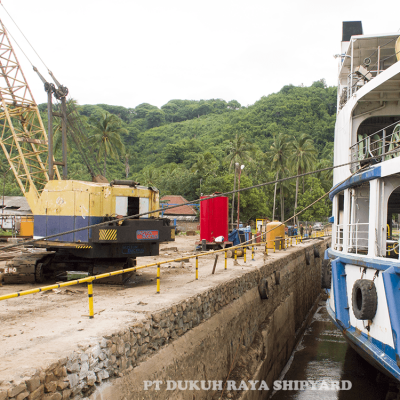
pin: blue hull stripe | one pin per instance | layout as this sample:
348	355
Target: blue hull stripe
391	280
356	180
339	288
381	355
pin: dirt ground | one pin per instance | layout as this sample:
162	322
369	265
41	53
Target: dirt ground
37	330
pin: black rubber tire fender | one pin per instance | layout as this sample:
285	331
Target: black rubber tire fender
326	274
263	288
364	299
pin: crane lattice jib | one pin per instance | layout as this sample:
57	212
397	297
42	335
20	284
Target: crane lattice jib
22	134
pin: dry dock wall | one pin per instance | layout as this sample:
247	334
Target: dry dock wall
226	330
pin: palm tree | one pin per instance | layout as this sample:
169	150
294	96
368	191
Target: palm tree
277	156
106	136
303	157
238	151
326	160
150	176
72	117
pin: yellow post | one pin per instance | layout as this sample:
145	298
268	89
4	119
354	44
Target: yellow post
274	244
280	245
226	260
244	254
252	253
158	277
235	255
197	268
90	296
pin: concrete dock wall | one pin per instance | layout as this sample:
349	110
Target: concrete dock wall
233	330
226	332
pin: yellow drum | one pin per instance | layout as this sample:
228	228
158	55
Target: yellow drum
26	226
277	232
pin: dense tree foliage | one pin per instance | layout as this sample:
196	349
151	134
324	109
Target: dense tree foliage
187	147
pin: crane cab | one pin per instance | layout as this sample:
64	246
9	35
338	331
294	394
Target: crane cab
69	205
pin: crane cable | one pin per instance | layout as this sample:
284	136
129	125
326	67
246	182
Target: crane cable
12	37
25	39
84	156
394	151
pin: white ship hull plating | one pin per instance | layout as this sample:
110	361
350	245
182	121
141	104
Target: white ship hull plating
364	298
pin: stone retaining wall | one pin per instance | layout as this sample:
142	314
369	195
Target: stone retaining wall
109	368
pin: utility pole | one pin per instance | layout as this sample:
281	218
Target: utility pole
238	217
233	194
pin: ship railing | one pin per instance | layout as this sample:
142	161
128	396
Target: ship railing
380	145
376	62
358	238
338	243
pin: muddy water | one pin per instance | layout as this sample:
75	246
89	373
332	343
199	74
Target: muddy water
324	356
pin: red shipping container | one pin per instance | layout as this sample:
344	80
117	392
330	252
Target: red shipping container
214	218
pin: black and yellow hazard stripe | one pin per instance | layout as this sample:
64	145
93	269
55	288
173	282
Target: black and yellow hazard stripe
107	234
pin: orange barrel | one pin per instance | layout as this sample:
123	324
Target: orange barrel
279	231
26	226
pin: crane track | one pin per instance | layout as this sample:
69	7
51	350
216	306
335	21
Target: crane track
25	268
37	267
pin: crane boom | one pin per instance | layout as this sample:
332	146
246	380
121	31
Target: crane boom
62	205
22	134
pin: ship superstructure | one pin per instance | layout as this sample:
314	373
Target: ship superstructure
365	286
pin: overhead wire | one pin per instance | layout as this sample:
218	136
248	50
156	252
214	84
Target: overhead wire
31	241
24	37
80	128
12	37
187	203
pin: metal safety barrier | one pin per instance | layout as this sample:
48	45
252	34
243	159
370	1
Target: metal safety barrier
277	245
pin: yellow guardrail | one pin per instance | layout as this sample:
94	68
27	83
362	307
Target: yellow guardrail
288	242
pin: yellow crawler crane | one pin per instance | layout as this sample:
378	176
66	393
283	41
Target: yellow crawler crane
62	205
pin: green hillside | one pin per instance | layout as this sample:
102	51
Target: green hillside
190	147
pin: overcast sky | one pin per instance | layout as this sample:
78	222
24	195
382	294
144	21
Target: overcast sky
127	52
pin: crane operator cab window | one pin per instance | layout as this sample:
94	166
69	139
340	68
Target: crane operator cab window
127	206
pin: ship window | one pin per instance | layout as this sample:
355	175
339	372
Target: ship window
339	218
341	202
392	227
